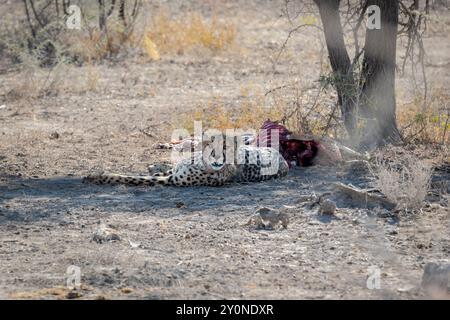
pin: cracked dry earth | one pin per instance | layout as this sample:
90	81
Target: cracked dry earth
193	242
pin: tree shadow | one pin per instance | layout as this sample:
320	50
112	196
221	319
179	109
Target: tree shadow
28	200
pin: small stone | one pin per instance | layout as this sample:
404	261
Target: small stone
73	295
54	135
180	204
134	244
328	207
105	234
406	289
267	218
126	290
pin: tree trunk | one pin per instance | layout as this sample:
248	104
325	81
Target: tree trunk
122	12
378	77
340	62
101	14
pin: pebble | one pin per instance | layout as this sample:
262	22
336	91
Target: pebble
105	234
328	207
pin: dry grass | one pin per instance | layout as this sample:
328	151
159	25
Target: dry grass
186	33
94	45
92	78
405	180
33	82
57	292
183	34
301	110
426	123
163	35
249	113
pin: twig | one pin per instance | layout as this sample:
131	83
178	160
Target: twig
289	36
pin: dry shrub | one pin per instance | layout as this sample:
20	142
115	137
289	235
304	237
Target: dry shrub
92	78
37	65
249	113
150	48
164	35
167	35
31	81
309	110
426	123
97	45
304	111
404	180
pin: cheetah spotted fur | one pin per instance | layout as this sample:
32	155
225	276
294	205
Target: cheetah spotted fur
252	164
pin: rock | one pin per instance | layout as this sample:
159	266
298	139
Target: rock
435	280
180	204
267	218
134	244
363	197
54	135
408	288
357	166
105	234
73	295
328	207
126	290
163	146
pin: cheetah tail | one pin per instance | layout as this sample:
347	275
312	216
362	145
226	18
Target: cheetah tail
112	178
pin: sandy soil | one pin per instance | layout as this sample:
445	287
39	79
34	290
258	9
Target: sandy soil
190	243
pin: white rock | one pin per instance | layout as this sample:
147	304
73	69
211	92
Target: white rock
328	207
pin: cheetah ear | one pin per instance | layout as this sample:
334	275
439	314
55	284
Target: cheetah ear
207	142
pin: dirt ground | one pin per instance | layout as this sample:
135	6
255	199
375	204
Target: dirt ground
191	243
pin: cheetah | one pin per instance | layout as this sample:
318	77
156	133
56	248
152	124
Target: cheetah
249	164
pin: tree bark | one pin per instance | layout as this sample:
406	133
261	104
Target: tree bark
101	15
122	12
378	77
340	62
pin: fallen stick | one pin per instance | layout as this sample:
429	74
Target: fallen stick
364	197
350	153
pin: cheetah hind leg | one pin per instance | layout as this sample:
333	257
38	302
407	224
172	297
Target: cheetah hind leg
163	174
160	170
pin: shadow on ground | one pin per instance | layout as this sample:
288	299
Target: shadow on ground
35	199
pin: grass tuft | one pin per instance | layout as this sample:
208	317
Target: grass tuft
167	35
